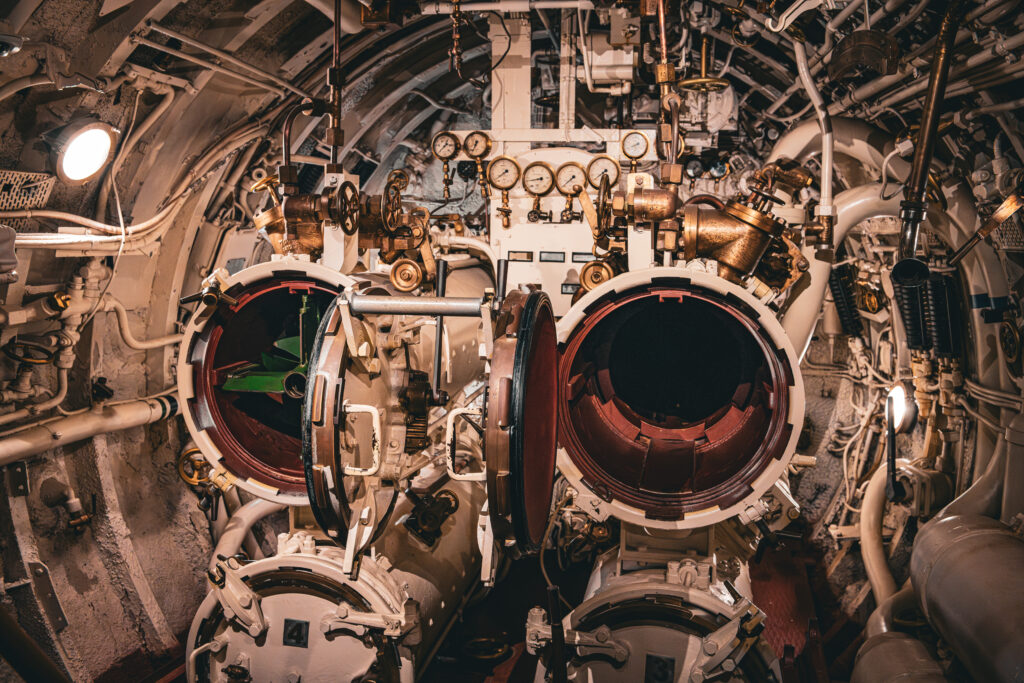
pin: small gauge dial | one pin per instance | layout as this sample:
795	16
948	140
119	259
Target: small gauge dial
570	178
445	146
694	168
719	169
477	145
602	166
634	145
538	179
503	173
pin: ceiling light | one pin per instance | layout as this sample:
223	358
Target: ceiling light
82	149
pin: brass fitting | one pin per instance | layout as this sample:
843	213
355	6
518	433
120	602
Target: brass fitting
736	237
664	73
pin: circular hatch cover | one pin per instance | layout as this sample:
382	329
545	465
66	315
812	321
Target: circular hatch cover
522	421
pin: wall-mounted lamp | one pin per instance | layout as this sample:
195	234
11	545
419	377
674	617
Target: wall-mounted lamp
82	149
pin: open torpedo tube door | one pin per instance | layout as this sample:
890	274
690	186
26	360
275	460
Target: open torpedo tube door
521	422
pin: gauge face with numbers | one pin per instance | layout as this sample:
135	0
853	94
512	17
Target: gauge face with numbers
570	178
603	166
634	145
503	173
445	146
477	145
538	179
694	168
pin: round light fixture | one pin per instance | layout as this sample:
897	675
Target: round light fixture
82	150
901	408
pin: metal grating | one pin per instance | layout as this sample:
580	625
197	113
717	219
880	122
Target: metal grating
1009	236
21	190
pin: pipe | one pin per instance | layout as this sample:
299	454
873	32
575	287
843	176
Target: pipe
966	572
100	420
126	333
18	84
37	408
368	304
895	657
24	654
872	513
232	502
984	496
110	177
882	619
216	68
825	209
852	207
239	526
230	59
912	208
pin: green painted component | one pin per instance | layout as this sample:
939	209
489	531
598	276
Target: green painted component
262	381
286	356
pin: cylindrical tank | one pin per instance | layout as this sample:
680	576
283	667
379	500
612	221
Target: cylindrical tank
966	570
680	398
309	638
657	620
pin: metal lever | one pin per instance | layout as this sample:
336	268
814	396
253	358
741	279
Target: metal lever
1010	206
439	396
890	450
210	296
500	283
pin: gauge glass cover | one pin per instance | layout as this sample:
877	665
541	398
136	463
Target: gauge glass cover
503	173
570	176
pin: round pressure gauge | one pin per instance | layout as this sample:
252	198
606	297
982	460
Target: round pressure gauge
477	145
570	178
538	179
634	145
603	166
719	169
694	168
503	173
445	146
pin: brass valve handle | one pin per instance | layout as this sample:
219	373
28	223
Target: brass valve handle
269	183
704	83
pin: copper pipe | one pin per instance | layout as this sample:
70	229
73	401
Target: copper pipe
334	80
704	46
661	32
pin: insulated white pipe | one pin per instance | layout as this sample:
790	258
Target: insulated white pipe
126	332
872	550
852	206
825	206
102	419
240	525
37	408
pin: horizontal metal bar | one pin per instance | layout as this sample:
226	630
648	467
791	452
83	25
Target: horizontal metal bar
230	59
140	40
369	304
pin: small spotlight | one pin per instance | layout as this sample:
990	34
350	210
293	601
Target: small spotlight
901	408
82	149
